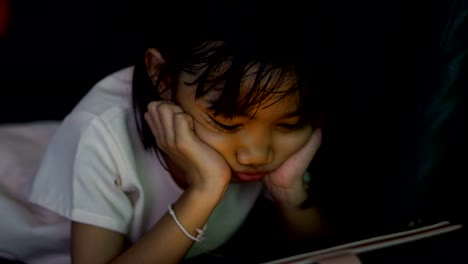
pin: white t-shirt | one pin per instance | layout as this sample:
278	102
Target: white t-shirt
96	171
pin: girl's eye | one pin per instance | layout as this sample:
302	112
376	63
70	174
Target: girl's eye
223	127
292	127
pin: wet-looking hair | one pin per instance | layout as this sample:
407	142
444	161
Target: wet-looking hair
276	48
278	68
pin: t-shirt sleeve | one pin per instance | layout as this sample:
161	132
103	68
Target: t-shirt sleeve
79	175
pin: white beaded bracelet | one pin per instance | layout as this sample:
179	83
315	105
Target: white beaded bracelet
201	232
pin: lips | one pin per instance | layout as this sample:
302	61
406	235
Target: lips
251	176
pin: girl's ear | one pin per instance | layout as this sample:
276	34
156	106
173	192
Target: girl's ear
154	61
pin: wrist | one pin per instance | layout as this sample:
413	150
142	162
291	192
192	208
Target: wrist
291	201
209	184
213	192
295	196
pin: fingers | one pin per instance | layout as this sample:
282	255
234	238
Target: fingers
169	124
203	167
314	143
153	121
183	131
165	121
316	139
308	151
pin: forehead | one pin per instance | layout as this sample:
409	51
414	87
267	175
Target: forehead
273	87
272	79
276	91
242	91
273	105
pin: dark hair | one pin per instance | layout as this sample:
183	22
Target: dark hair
274	63
278	39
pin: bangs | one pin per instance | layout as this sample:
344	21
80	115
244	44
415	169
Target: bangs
245	81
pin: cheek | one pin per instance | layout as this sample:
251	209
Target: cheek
222	143
287	145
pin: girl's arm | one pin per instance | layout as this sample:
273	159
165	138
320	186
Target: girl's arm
164	243
207	176
286	187
302	223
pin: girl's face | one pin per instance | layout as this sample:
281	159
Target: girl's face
252	145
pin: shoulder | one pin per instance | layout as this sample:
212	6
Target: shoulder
113	91
81	169
96	133
106	111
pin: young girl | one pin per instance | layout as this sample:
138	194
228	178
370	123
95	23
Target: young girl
164	160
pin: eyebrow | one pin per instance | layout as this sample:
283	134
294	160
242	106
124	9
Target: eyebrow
292	114
211	100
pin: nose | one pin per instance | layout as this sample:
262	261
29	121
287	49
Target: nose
255	149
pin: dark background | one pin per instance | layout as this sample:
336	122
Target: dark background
398	79
54	51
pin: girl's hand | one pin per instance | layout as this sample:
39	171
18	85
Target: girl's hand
285	183
203	167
